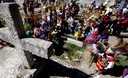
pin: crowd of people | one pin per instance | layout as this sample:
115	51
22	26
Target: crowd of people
93	25
70	18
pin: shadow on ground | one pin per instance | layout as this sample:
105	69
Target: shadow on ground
53	68
117	71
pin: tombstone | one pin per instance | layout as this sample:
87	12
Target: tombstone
14	33
27	42
12	17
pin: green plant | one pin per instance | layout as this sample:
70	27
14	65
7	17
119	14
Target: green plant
26	26
121	60
73	51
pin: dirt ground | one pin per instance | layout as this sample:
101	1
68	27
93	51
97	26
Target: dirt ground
83	64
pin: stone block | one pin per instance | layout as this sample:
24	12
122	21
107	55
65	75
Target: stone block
38	47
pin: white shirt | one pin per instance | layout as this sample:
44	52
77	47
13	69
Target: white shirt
70	21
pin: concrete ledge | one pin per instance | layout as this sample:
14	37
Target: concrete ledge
38	47
73	41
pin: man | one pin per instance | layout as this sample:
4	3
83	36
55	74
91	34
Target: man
70	23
